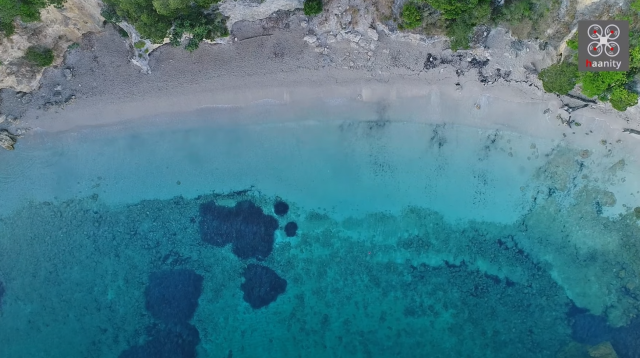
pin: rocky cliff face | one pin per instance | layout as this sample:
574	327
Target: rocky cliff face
58	29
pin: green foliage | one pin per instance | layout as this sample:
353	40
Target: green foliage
39	56
139	44
170	7
597	83
559	78
635	5
572	43
312	7
513	12
73	46
452	9
144	17
158	19
634	57
460	29
200	27
110	15
123	32
459	33
621	98
26	10
411	16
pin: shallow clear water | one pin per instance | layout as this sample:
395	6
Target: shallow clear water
415	239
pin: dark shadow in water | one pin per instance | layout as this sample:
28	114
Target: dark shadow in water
245	226
590	329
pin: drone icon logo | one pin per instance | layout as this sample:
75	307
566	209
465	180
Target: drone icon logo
604	43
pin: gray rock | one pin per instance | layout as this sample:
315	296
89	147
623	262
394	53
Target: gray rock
517	45
7	140
67	74
27	98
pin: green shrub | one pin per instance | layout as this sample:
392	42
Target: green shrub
635	5
139	44
39	56
157	19
411	16
513	12
634	57
199	27
621	98
461	29
73	46
572	43
123	32
312	7
459	33
559	78
26	10
110	14
452	9
597	83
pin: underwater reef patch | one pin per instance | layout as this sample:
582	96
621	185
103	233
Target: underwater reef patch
261	286
587	328
172	296
291	229
626	341
245	226
167	341
281	208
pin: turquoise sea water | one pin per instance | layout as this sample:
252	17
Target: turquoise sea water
162	238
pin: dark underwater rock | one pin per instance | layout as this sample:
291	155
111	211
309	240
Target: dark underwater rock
291	229
169	341
261	286
626	341
281	208
245	226
172	296
590	329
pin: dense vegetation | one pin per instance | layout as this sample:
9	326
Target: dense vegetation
39	56
26	10
312	7
411	15
615	87
559	78
159	19
462	16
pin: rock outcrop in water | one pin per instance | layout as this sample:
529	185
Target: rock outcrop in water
291	229
170	341
172	296
7	140
245	226
280	208
262	286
